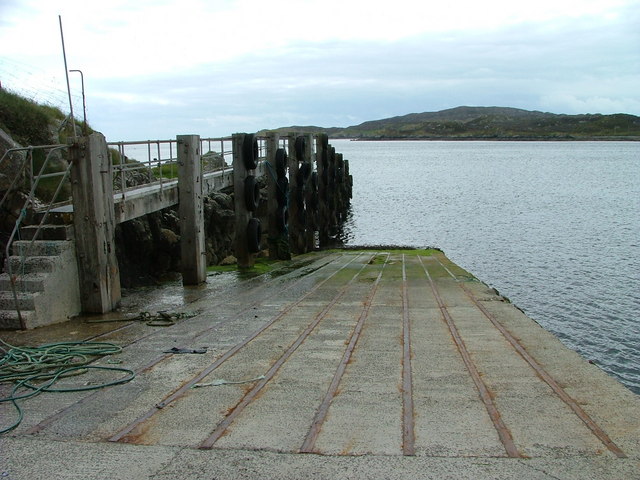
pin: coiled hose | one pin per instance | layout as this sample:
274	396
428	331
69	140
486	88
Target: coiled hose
34	370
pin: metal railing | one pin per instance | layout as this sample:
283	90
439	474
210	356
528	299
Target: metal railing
154	162
34	181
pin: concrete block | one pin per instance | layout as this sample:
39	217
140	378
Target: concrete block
9	319
48	232
31	282
26	301
35	264
43	248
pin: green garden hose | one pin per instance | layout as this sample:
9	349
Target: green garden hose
34	370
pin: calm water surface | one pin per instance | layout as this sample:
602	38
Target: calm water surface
554	226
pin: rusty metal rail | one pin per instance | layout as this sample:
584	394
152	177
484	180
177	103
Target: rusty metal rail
541	373
309	443
483	391
408	417
121	435
253	393
42	425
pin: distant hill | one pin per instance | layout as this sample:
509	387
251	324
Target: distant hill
490	123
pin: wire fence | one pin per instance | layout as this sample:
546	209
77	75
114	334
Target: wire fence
37	84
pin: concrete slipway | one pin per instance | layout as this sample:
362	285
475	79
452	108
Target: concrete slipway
365	364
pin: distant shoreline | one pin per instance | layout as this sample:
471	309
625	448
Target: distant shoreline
493	139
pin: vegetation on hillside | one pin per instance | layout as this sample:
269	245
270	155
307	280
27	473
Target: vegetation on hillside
490	123
27	122
32	124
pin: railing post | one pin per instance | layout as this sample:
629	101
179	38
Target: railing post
191	211
94	224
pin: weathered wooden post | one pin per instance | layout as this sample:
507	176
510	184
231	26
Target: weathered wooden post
94	224
272	194
309	190
246	198
191	211
322	167
295	192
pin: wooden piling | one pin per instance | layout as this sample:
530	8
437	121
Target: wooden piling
309	234
240	141
295	228
272	195
94	224
322	154
191	210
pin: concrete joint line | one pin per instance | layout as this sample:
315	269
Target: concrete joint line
503	432
248	398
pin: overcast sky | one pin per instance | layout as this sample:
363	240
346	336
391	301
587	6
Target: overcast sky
155	69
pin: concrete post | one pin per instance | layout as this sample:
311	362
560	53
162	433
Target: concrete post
191	211
94	224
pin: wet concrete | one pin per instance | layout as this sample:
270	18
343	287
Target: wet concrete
350	355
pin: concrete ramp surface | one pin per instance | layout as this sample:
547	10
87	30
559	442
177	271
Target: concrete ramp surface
349	364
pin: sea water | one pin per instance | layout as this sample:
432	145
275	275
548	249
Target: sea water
553	226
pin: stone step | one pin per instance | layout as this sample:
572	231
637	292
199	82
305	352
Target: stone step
32	264
26	301
59	215
47	232
30	282
41	248
9	319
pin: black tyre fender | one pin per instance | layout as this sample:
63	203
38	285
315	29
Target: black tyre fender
314	181
251	193
325	177
299	198
305	169
254	233
282	218
250	151
314	201
301	143
302	217
282	191
324	159
281	163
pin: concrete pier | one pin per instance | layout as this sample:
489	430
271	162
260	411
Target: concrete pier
341	365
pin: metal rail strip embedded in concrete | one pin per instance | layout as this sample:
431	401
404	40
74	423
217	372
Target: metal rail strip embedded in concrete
483	391
121	435
249	397
408	419
42	425
566	398
309	443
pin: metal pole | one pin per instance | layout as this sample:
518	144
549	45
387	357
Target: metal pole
84	102
66	72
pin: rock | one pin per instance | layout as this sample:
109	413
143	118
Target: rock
229	260
212	161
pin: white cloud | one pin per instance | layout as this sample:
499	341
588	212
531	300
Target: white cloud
576	104
157	68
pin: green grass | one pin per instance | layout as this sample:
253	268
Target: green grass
262	265
29	123
166	171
